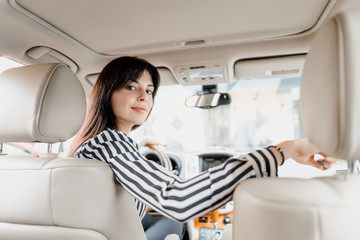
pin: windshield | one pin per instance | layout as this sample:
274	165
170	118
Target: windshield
262	112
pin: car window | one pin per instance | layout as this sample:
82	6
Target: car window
6	63
262	112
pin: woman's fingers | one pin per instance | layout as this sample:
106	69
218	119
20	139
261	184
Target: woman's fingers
326	163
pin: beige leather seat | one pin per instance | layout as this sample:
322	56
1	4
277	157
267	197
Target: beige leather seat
326	208
48	197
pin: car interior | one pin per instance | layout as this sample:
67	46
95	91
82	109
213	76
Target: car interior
235	76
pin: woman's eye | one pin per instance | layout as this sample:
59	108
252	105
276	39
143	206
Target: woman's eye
130	87
149	92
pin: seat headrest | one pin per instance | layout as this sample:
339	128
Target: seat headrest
40	103
330	88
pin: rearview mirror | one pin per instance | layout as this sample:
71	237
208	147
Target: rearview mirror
208	100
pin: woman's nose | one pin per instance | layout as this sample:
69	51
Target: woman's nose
143	96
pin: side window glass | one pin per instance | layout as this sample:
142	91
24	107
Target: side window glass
6	63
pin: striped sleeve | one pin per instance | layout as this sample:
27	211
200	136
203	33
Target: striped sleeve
165	192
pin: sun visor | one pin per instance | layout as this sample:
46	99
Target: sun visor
273	67
166	77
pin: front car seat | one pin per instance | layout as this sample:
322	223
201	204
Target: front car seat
324	208
49	197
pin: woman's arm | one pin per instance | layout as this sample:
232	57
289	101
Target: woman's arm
185	199
302	151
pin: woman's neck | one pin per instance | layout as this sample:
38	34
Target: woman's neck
125	130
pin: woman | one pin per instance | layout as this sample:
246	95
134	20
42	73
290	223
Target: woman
122	99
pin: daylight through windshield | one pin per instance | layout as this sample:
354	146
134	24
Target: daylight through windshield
262	112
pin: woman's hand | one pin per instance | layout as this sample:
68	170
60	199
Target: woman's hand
302	151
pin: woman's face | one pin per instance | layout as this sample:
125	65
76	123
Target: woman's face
132	104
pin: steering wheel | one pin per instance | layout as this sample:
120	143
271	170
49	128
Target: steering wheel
163	157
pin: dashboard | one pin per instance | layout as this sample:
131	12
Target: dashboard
209	160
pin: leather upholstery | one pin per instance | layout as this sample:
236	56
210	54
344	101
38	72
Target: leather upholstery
324	208
48	197
63	198
47	104
330	87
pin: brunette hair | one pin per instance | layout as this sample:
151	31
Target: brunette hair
114	76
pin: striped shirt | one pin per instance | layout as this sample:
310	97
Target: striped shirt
154	186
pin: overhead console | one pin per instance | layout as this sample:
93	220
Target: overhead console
202	74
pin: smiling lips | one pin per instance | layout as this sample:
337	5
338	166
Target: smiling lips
139	109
